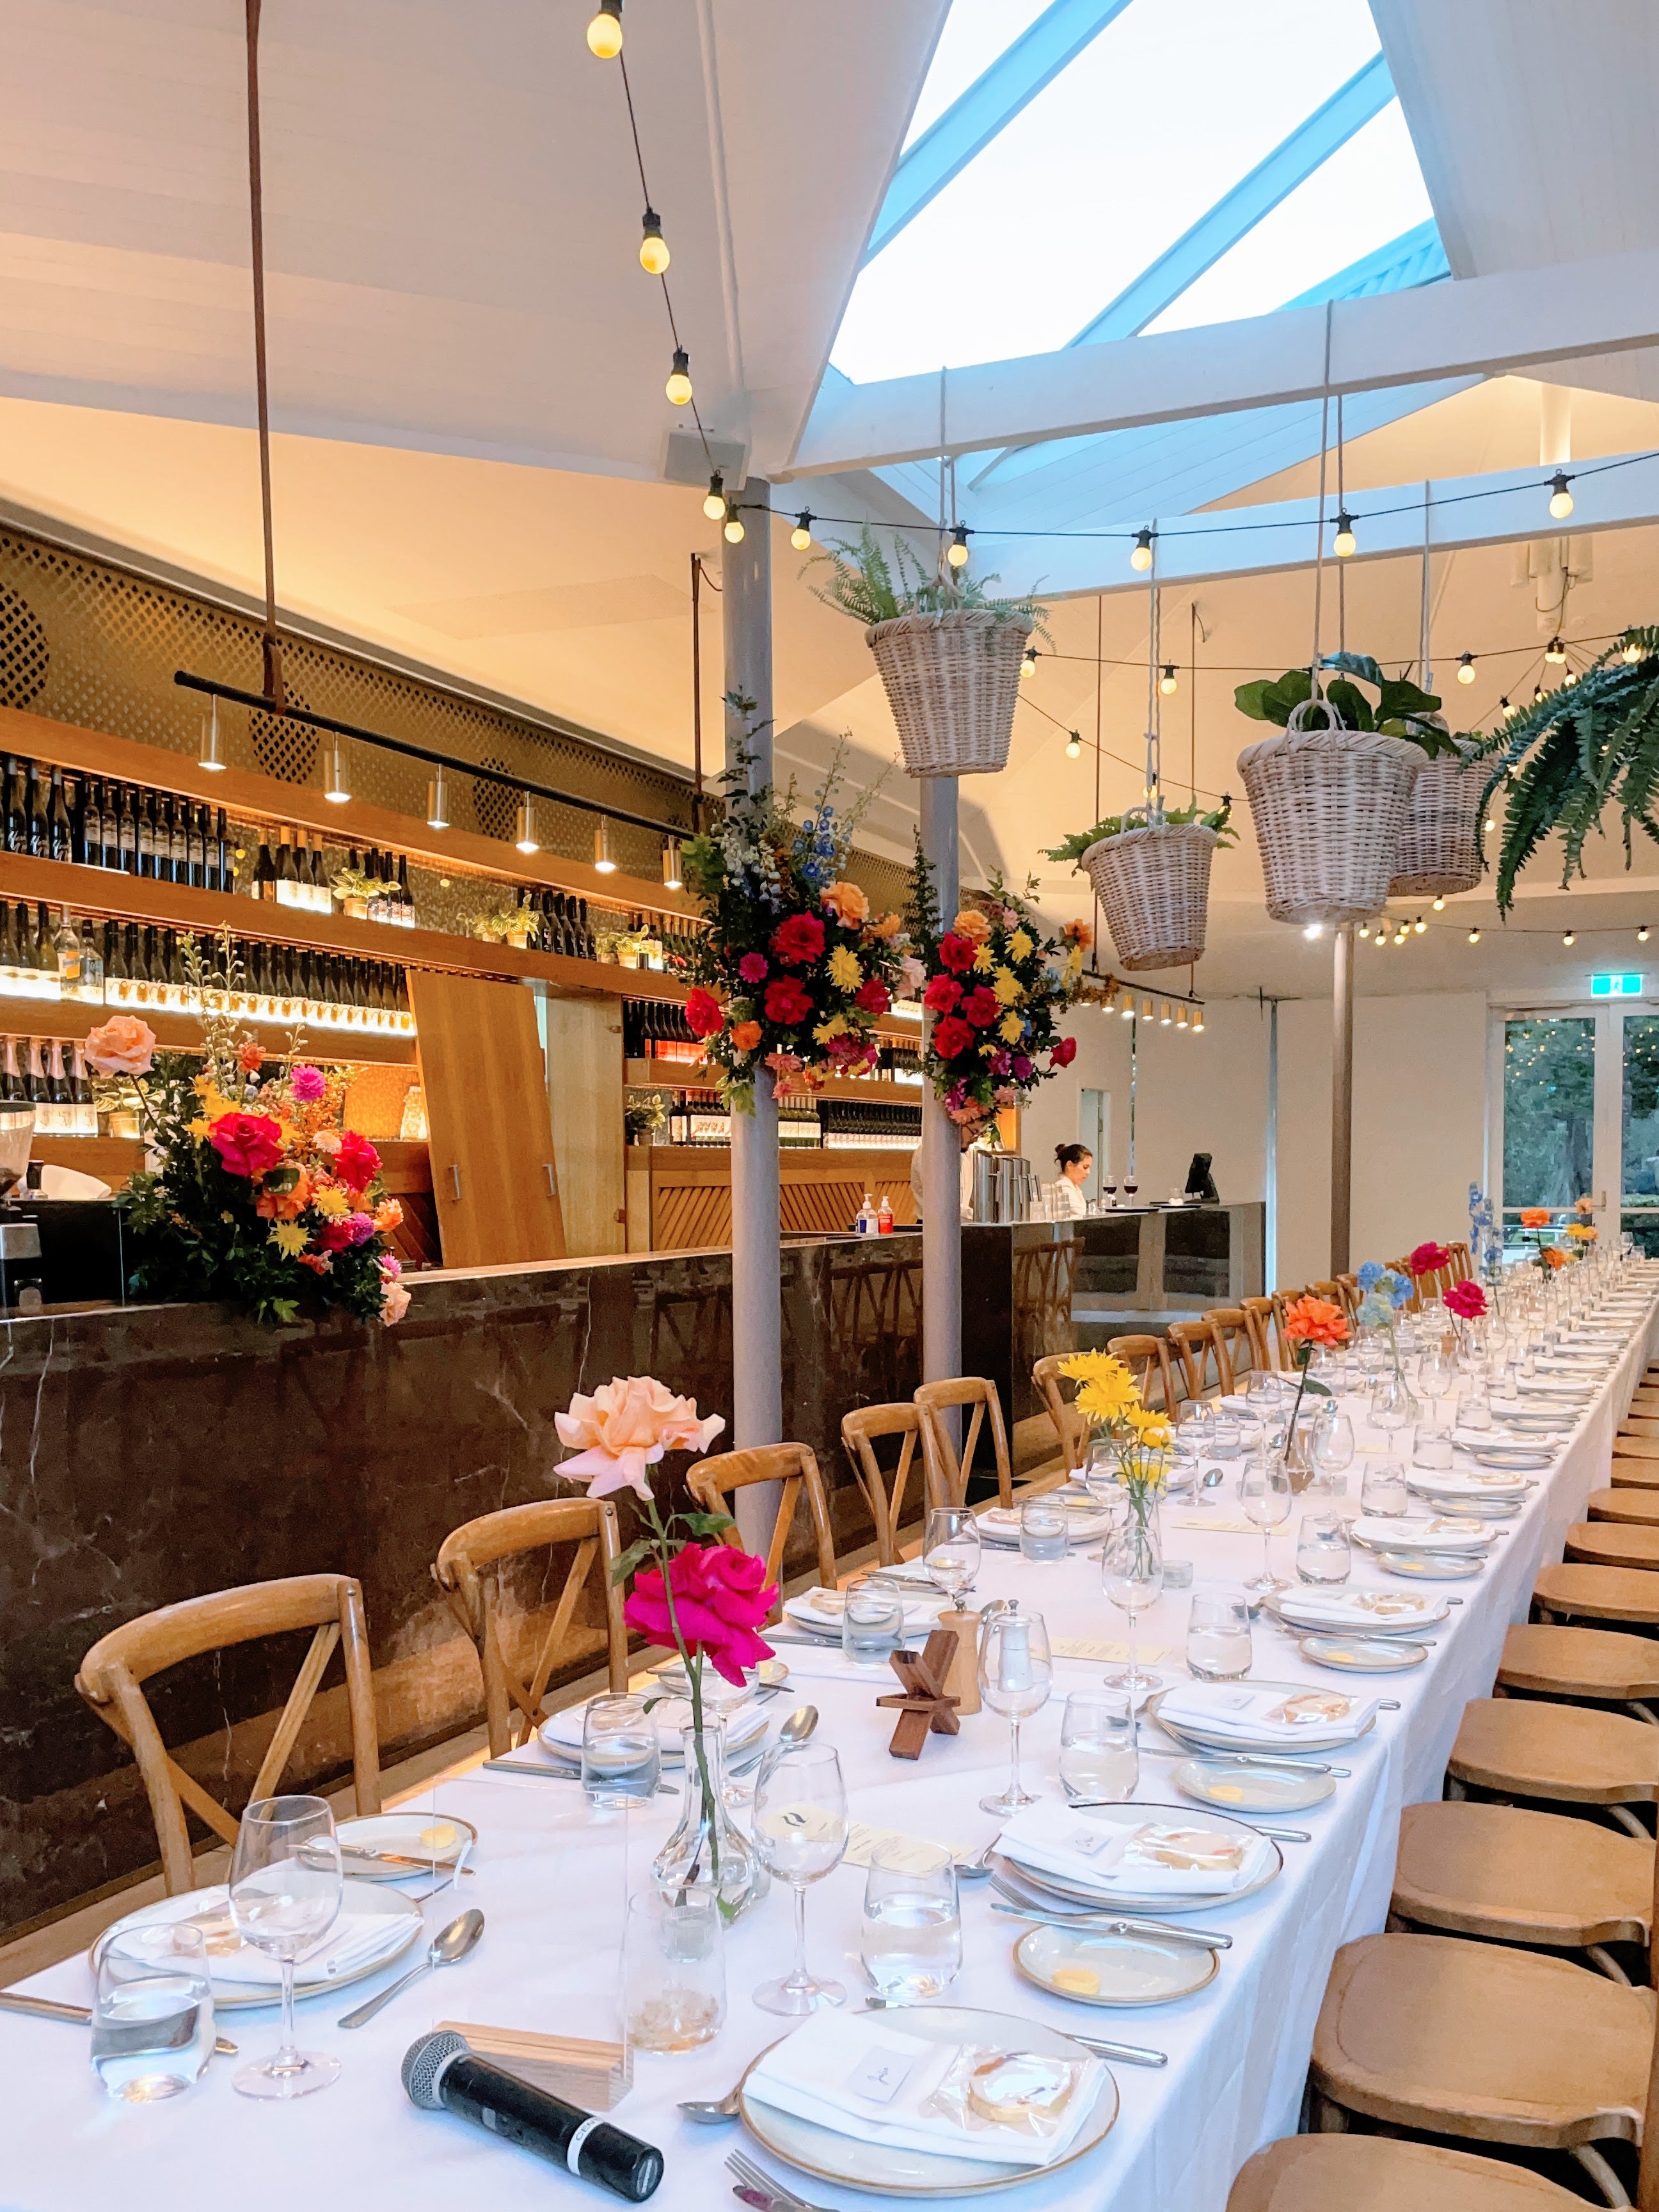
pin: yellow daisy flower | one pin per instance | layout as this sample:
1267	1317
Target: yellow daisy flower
834	1027
845	972
332	1201
290	1237
1008	987
1020	946
1012	1027
984	960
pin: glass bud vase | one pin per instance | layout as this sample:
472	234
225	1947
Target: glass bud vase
707	1848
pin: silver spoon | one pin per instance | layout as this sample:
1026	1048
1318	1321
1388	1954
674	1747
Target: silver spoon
709	2111
978	1868
448	1945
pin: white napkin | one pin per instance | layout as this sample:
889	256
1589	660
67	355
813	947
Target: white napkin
1237	1709
821	1608
814	2072
744	1722
1437	1532
1357	1609
1120	1855
356	1940
1473	1482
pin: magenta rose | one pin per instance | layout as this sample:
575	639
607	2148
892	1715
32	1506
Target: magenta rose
247	1144
721	1596
981	1007
1063	1052
334	1235
356	1163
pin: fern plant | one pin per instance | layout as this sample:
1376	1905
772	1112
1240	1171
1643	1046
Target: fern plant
1216	817
1581	749
1403	709
865	583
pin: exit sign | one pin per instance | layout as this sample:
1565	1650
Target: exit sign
1616	986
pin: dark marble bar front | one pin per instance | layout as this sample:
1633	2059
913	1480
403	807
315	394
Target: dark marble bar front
155	1453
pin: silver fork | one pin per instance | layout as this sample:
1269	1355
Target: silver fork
774	2193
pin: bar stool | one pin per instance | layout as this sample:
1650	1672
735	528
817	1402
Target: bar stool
1317	2174
1149	1357
948	1476
714	1482
859	1431
1567	1754
461	1571
1586	1593
1049	1375
111	1679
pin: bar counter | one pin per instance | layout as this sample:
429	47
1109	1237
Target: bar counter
153	1452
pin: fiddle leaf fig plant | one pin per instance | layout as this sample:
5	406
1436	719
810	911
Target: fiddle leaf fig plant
1402	708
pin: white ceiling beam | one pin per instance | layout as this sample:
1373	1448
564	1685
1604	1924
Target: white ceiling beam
1502	508
1483	326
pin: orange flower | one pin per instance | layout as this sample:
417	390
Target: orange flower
1553	1256
1534	1217
1315	1320
746	1035
886	926
285	1205
847	903
971	924
122	1046
250	1056
388	1214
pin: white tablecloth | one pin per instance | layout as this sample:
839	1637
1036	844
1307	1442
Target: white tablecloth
552	1879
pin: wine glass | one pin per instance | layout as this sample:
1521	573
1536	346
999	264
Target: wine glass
1132	1575
951	1550
1264	1491
285	1895
800	1831
1015	1672
1332	1444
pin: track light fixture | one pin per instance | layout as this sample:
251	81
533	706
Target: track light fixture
1129	1010
679	386
437	802
801	535
335	789
1142	558
1344	542
605	858
653	247
956	551
210	756
604	31
526	840
1560	496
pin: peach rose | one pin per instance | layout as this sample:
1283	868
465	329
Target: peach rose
886	926
972	925
626	1426
388	1215
847	902
123	1046
394	1304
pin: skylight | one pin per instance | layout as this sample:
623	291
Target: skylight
975	31
1159	117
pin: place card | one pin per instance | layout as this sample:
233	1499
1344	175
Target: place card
1082	1647
912	1854
1217	1526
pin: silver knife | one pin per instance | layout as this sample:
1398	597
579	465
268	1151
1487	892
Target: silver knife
558	1774
1246	1759
50	2009
1201	1939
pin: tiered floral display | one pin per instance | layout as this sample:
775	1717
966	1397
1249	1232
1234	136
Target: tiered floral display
703	1596
794	971
997	988
259	1195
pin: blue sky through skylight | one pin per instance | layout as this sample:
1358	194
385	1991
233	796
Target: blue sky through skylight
1161	114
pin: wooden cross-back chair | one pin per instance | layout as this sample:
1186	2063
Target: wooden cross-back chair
859	1432
1058	1390
1148	1359
1461	1268
947	1474
1261	1326
461	1571
714	1482
1206	1369
1335	1289
112	1676
1233	1340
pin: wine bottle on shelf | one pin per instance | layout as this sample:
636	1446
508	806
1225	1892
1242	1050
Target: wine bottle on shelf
126	831
57	1082
405	897
82	811
66	953
36	1078
9	974
92	966
14	1090
264	873
17	807
85	1111
39	833
108	844
46	951
148	834
179	838
57	819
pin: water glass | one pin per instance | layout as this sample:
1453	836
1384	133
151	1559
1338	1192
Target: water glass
1219	1647
152	2011
1330	1446
286	1891
1043	1529
872	1623
1322	1551
621	1764
911	1938
1434	1444
800	1830
1098	1754
1383	1494
1474	1404
673	1969
1225	1440
1016	1671
951	1549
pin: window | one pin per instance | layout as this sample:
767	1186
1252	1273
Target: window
1549	1110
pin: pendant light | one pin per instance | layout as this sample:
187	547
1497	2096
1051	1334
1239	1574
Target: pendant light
210	756
1343	543
673	878
653	247
1141	559
679	386
956	551
437	803
1560	496
605	858
335	789
526	840
604	32
801	535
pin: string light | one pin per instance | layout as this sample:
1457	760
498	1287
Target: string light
1537	693
1487	827
1343	544
1419	925
1028	663
1142	558
1474	937
1364	929
437	803
1466	668
335	789
956	551
1643	934
1399	937
1439	906
1560	496
1631	654
605	858
1167	683
679	386
1555	651
604	32
211	757
732	528
1314	929
525	840
1568	936
672	879
1505	709
713	505
1074	746
653	247
801	535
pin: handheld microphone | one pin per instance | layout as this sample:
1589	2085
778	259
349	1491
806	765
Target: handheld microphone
440	2072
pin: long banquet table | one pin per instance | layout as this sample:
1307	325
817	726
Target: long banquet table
552	1879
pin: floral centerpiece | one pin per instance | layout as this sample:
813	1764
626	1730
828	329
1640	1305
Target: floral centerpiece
694	1590
259	1194
1383	1292
794	971
996	987
1309	1323
1466	1302
1427	1259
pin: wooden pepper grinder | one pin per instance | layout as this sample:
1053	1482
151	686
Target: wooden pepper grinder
961	1683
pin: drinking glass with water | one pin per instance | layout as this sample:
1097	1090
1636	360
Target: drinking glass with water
1323	1553
1098	1754
872	1623
622	1759
1043	1529
911	1938
152	2011
1218	1648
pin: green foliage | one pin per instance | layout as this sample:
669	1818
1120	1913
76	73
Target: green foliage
866	585
1113	825
1402	708
1580	748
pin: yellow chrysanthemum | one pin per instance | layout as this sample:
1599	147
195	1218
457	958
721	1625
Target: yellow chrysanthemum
984	960
845	972
290	1237
1012	1027
1008	987
835	1027
1074	967
1020	946
198	1128
1151	1429
332	1201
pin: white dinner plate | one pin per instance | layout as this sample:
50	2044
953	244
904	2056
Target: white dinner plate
433	1839
1099	1968
1252	1789
1357	1611
1362	1654
364	1900
1431	1532
827	2155
1431	1566
562	1733
1512	1458
1191	1737
1039	1884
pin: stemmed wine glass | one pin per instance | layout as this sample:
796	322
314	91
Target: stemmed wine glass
286	1890
800	1831
1332	1444
951	1550
1132	1575
1264	1491
1016	1671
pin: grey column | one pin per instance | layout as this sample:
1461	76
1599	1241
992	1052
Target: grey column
941	1159
1341	1099
757	1327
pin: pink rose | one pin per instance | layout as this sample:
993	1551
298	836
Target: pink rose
247	1144
1466	1300
625	1427
394	1304
123	1046
307	1085
356	1161
721	1597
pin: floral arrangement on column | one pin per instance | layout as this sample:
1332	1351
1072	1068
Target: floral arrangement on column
997	988
259	1194
794	971
694	1589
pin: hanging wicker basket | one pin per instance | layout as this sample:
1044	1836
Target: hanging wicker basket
1328	806
952	680
1153	885
1439	848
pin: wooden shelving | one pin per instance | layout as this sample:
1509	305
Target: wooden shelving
672	1075
176	1032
